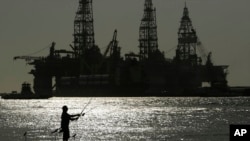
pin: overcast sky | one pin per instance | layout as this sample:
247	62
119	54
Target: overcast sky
27	26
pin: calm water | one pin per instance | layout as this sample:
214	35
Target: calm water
125	119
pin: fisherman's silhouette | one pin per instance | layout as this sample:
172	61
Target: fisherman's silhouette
65	122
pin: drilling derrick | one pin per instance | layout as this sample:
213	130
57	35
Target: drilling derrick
187	41
148	31
83	28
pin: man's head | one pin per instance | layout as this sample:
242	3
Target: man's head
65	108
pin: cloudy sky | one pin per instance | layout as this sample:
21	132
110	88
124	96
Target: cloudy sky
27	26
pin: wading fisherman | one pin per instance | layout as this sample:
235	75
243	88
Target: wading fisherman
65	122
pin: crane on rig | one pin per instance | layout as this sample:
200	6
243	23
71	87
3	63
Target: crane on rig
112	46
29	59
53	53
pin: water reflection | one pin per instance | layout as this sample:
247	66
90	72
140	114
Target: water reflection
124	118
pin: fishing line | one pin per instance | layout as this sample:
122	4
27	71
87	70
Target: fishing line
91	109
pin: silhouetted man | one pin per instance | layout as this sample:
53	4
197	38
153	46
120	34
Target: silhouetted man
65	122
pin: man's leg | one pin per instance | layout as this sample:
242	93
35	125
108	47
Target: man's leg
65	135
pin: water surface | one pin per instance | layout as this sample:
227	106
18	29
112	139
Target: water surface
125	119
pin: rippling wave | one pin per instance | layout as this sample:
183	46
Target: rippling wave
125	119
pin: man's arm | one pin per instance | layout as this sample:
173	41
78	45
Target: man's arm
76	116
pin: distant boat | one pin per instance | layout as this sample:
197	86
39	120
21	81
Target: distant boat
26	93
20	96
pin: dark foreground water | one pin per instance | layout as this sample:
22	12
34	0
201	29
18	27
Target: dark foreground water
125	119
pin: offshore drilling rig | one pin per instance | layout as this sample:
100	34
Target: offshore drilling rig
85	71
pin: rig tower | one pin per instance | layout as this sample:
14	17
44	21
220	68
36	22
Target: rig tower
83	28
148	31
187	41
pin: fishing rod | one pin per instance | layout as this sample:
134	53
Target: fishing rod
86	105
82	114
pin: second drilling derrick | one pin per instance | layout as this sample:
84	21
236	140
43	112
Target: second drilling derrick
187	41
148	31
84	42
83	28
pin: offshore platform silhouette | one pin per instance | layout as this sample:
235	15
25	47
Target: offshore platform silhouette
85	71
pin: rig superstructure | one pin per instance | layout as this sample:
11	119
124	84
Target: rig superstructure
85	71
